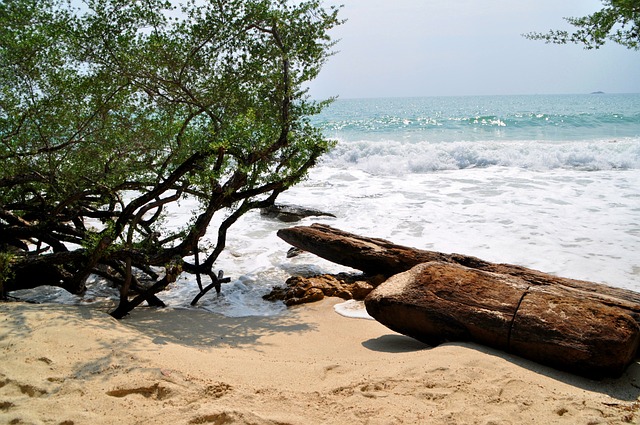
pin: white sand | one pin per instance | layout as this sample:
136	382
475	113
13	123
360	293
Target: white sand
76	365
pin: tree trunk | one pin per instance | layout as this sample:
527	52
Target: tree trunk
379	256
437	302
48	269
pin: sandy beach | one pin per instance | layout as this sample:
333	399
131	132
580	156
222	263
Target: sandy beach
76	365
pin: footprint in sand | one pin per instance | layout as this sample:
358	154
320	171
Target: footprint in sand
238	418
156	392
330	368
6	405
27	389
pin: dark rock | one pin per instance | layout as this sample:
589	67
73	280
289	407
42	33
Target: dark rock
291	213
437	302
309	296
294	252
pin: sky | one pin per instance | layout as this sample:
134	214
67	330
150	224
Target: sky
402	48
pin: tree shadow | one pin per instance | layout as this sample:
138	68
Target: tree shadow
27	319
192	328
198	328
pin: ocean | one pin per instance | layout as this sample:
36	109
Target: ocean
550	182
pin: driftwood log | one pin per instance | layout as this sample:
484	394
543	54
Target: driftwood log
378	256
438	302
582	327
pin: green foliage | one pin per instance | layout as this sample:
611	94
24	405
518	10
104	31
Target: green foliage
112	112
617	21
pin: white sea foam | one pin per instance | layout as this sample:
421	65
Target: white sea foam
570	222
399	157
352	308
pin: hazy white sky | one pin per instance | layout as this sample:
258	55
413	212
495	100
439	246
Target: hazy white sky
467	47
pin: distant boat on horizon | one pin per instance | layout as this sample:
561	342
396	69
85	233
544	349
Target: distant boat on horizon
597	92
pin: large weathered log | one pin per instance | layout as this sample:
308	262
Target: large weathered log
379	256
372	256
436	302
582	327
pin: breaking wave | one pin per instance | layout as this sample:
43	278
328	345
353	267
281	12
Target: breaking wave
398	157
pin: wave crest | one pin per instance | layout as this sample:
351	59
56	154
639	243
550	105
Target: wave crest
397	157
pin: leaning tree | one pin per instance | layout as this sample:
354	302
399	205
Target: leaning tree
114	111
618	21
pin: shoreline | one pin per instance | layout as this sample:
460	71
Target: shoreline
76	365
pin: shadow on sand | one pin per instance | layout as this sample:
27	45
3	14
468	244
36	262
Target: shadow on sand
394	343
625	388
198	328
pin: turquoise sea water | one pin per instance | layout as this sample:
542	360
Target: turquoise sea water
483	118
594	131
